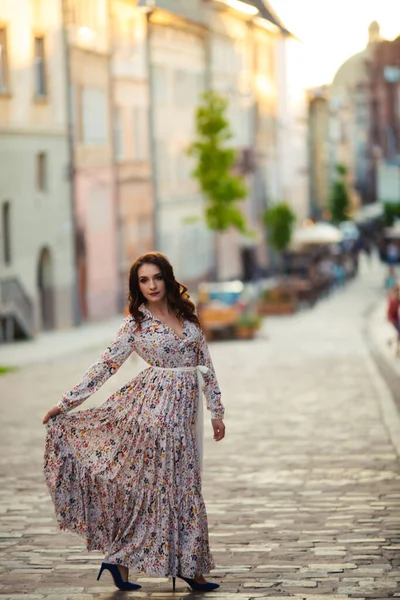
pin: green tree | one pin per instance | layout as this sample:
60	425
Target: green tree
339	202
279	221
391	212
214	166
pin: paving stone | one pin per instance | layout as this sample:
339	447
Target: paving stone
259	584
21	596
332	567
277	567
299	583
302	496
323	597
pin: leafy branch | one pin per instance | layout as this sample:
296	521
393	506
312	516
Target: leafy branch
215	162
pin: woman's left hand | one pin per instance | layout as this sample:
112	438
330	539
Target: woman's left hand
53	412
219	429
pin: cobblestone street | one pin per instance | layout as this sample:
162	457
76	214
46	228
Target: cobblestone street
303	495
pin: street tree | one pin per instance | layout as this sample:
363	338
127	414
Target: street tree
339	202
279	221
214	168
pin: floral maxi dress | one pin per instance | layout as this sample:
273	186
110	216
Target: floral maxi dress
126	476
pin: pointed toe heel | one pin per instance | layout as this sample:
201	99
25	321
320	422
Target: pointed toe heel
125	586
200	587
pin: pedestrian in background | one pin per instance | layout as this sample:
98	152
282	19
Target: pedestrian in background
393	316
391	278
392	253
126	477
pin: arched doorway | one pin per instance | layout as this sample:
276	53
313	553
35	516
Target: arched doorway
45	289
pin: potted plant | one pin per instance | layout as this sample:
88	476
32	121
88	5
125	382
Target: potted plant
277	301
246	325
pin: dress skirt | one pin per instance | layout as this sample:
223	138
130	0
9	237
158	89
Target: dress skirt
125	477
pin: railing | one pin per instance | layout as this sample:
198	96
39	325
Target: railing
12	295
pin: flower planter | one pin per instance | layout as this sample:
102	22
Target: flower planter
284	307
244	333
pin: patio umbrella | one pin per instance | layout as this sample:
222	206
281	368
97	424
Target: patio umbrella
321	234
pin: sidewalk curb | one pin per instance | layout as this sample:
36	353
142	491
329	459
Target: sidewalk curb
387	404
382	373
59	344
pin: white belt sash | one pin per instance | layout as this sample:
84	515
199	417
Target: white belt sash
200	370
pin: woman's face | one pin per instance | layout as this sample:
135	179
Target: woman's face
151	282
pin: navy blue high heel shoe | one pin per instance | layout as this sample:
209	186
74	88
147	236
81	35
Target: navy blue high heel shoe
125	586
198	587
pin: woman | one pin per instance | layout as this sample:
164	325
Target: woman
393	310
126	476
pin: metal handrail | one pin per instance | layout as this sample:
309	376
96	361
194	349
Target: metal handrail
12	293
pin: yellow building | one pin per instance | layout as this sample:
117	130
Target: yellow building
245	67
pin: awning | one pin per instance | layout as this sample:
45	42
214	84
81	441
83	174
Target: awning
321	234
369	212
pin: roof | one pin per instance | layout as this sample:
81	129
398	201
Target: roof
267	12
354	70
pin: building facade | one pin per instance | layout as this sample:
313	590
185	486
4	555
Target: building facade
36	258
318	150
245	68
177	62
350	120
97	113
132	148
95	189
384	132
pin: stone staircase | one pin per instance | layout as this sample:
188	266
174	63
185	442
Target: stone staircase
16	311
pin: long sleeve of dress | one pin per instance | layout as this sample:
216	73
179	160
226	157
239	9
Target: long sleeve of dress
211	387
108	363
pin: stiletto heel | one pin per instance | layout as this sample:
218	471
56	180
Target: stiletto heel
100	572
173	583
116	575
200	587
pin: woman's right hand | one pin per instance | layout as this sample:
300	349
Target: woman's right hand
53	412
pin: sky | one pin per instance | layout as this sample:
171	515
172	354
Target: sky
330	32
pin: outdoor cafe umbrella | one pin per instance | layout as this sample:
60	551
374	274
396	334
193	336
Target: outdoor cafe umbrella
321	234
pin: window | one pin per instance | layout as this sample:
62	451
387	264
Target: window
73	95
188	87
88	10
40	68
265	59
118	135
160	84
398	100
6	231
83	13
41	171
3	61
162	161
144	234
94	117
140	133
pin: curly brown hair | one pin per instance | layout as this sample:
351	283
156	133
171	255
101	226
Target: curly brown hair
177	294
